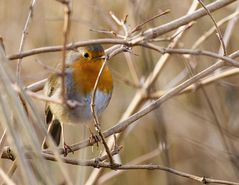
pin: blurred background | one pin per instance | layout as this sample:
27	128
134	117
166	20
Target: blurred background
195	132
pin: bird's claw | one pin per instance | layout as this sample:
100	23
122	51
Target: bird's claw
67	149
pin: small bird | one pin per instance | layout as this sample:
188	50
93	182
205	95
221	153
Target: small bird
82	69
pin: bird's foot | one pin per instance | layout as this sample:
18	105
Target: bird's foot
67	149
94	138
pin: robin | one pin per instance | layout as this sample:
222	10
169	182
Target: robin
82	70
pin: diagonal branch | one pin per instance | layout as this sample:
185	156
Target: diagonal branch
219	33
147	35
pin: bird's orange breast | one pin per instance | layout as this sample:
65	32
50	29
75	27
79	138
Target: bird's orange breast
85	74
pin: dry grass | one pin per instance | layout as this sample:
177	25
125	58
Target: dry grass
194	129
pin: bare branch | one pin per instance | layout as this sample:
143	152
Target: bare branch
157	31
98	164
95	116
148	34
23	37
169	94
219	33
66	31
5	177
139	27
201	39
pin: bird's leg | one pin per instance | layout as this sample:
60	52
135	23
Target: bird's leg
93	137
67	149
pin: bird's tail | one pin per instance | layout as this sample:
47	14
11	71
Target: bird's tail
54	129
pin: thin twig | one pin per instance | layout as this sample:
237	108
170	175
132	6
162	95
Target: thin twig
37	86
70	46
219	33
123	24
108	32
147	35
207	34
38	96
139	160
157	31
21	47
206	81
3	139
139	27
115	18
95	117
12	169
6	178
228	60
212	110
66	31
185	28
23	38
97	164
228	31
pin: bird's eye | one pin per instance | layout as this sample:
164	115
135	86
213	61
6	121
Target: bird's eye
86	55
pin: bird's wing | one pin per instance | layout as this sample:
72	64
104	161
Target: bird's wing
54	125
